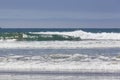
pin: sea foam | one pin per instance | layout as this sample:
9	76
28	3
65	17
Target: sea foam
60	44
59	63
86	35
77	35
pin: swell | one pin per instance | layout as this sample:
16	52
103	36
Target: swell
77	35
87	35
36	37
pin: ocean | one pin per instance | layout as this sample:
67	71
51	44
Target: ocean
59	54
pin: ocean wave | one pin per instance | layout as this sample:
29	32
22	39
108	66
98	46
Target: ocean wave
36	37
60	62
77	35
59	44
56	58
86	35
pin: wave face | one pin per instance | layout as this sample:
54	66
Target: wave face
36	37
77	35
87	35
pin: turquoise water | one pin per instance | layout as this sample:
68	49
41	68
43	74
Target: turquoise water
63	34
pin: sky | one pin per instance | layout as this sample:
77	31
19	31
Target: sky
60	13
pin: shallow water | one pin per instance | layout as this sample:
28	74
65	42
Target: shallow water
58	77
16	59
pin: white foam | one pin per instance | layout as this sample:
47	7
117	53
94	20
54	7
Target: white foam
66	66
86	35
7	40
59	44
37	63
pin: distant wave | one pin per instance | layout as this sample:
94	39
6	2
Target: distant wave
58	36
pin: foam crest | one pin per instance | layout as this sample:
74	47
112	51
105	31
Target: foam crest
86	35
60	62
59	57
60	44
77	35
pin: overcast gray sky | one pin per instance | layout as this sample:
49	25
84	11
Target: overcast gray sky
59	13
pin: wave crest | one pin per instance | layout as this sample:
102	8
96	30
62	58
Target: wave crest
59	36
87	35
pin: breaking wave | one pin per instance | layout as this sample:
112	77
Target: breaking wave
87	35
59	36
60	62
